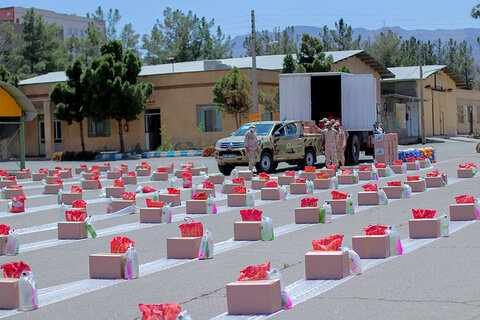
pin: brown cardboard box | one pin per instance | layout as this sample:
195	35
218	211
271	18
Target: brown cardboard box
322	184
346	179
183	247
462	212
174	199
307	215
326	265
298	188
143	172
247	231
169	169
203	169
38	176
382	172
10	193
216	178
150	215
411	166
331	172
22	175
308	175
52	171
9	293
284	180
160	176
3	244
65	174
124	170
115	192
368	198
398	169
465	173
52	188
88	175
129	179
230	187
434	182
103	168
69	197
89	184
196	171
80	170
423	163
417	186
393	192
338	206
7	183
72	230
179	173
258	184
208	191
247	175
119	204
270	194
114	175
106	265
139	166
254	297
364	175
372	247
196	207
236	200
50	179
424	228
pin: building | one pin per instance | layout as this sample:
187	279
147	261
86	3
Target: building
468	112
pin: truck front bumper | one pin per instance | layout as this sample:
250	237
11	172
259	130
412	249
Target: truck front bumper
234	156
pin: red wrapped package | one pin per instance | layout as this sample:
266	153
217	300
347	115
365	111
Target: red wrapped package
208	185
16	186
58	168
3	173
380	165
186	168
75	215
421	158
124	165
25	170
263	176
83	166
144	163
200	196
147	167
239	181
93	178
331	243
12	178
411	159
164	311
171	165
154	203
300	180
370	187
309	202
397	162
239	190
271	184
394	184
161	169
121	244
76	189
173	191
118	183
148	189
435	173
190	164
332	167
129	195
365	168
258	272
375	230
95	167
413	178
338	195
465	199
106	164
191	229
14	269
131	174
94	171
57	182
4	230
18	204
79	204
251	215
346	172
187	179
290	173
118	169
43	170
322	175
423	214
310	169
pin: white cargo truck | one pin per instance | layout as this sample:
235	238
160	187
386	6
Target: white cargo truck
352	98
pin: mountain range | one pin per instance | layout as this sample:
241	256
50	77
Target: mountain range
468	34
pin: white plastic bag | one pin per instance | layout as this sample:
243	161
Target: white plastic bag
13	243
27	291
283	192
406	191
349	205
206	246
167	213
355	176
59	196
309	187
395	242
184	315
267	229
103	193
374	173
444	225
326	213
61	214
92	232
335	183
354	262
173	182
211	206
382	197
250	202
234	174
274	274
193	189
131	264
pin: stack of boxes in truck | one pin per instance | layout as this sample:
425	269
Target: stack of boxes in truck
386	148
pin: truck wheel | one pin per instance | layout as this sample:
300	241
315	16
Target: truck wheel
353	150
266	163
310	158
226	169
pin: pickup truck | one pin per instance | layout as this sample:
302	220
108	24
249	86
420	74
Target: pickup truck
279	141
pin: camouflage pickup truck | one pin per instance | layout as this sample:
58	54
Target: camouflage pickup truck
279	141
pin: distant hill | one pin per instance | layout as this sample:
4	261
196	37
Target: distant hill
469	34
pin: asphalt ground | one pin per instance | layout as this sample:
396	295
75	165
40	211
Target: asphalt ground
437	280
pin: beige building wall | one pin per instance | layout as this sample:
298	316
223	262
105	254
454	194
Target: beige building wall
468	109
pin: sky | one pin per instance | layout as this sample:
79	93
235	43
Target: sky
234	16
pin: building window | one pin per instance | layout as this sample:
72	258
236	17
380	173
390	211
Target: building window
209	118
81	33
69	31
266	116
461	114
98	129
76	32
477	115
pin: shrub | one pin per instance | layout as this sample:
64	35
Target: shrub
208	151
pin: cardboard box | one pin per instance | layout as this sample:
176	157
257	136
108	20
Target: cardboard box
465	173
115	192
143	172
411	166
368	198
196	171
103	168
72	230
372	247
236	200
462	212
258	184
331	172
119	204
89	184
346	179
338	206
285	180
270	194
183	247
298	188
174	199
203	169
399	169
196	207
247	175
423	163
216	178
124	170
50	179
424	228
52	188
69	197
434	182
65	174
417	186
9	293
382	172
364	175
229	188
88	175
179	173
150	215
307	215
106	265
114	175
308	175
22	175
52	171
247	231
169	169
254	297
326	265
38	176
393	192
7	183
160	176
3	244
322	184
208	191
80	170
10	193
129	180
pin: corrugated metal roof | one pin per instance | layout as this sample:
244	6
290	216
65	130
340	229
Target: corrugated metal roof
58	76
413	73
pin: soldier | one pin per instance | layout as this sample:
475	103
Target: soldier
251	146
330	145
322	122
341	143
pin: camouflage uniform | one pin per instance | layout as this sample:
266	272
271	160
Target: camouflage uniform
341	144
330	146
251	147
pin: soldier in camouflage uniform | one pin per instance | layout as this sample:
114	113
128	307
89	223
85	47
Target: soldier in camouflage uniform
330	145
341	143
251	146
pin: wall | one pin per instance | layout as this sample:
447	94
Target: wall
470	98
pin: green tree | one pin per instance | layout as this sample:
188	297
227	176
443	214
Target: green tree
463	64
385	49
289	64
233	94
312	57
271	43
129	39
341	38
6	76
343	69
70	98
410	52
109	21
271	103
112	89
9	48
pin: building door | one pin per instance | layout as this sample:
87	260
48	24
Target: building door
412	122
41	134
57	134
152	129
470	119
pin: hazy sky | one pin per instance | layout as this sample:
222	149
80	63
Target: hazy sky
234	16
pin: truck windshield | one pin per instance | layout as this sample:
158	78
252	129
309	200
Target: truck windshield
261	129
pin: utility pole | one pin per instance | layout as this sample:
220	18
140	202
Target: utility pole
254	66
422	110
